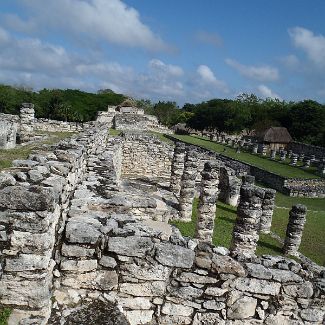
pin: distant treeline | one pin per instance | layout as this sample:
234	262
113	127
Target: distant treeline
57	104
305	120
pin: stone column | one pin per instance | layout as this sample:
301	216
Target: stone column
264	150
229	187
187	191
27	116
307	163
249	211
207	202
267	211
177	167
255	149
297	219
289	154
283	154
301	157
272	154
294	159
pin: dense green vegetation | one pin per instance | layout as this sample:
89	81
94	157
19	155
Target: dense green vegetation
65	105
305	120
313	241
282	169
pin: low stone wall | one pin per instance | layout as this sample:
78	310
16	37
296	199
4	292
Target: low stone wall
8	130
145	155
307	149
134	122
46	125
34	200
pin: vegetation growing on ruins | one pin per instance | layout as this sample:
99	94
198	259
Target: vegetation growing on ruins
22	152
313	241
4	315
282	169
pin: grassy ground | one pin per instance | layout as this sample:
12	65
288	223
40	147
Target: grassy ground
162	137
4	315
114	132
263	162
313	241
22	152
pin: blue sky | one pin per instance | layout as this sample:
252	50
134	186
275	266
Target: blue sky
181	50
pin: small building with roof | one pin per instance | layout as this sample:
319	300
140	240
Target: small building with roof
275	137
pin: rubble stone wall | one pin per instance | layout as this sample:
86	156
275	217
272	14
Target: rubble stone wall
307	149
144	154
8	130
34	200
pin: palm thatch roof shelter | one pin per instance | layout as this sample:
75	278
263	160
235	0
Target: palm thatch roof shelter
275	137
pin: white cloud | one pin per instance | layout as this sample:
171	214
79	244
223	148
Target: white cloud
161	67
208	78
261	73
290	61
266	92
313	45
209	38
98	20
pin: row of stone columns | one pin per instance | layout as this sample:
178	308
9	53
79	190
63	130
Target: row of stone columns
254	211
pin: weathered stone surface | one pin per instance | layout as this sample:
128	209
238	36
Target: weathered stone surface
108	261
312	315
146	289
100	280
256	286
215	291
32	198
185	292
214	305
208	319
130	246
6	180
303	290
80	266
226	264
173	255
243	308
195	278
76	251
146	271
82	233
175	309
27	262
136	317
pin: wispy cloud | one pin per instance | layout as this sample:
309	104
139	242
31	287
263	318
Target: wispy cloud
261	73
313	45
209	38
267	92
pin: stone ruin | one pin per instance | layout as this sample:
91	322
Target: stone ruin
85	239
25	127
127	116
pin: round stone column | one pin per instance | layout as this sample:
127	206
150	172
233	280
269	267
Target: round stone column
246	229
187	191
267	211
177	167
297	219
207	202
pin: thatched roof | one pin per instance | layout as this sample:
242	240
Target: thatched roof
276	134
128	103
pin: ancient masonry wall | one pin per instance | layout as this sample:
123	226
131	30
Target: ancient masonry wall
34	199
63	246
8	130
307	149
145	155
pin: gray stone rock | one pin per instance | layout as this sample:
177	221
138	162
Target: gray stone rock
82	233
32	198
108	261
243	308
76	251
214	305
6	180
256	286
175	309
78	266
173	255
146	289
226	264
130	246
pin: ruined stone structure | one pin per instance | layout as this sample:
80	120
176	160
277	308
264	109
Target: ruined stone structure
297	219
84	237
267	210
177	167
229	186
8	131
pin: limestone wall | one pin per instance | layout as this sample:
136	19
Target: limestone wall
34	200
8	130
307	149
144	154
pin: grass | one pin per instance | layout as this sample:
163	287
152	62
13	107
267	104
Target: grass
162	137
313	241
4	315
22	152
263	162
114	132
